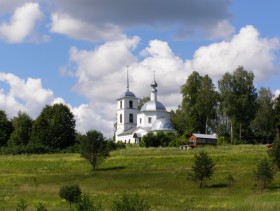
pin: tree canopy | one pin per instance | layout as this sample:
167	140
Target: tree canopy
6	128
54	127
22	129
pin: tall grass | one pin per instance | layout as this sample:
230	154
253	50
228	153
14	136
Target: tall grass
160	175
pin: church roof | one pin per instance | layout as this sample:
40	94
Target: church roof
153	105
127	94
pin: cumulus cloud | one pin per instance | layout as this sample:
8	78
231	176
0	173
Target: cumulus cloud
101	75
23	95
104	20
22	24
245	49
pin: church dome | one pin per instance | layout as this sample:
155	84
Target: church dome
153	105
162	124
128	94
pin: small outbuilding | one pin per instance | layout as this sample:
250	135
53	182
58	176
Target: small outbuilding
202	139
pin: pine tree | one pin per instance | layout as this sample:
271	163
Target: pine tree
203	167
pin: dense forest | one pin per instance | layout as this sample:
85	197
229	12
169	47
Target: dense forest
235	111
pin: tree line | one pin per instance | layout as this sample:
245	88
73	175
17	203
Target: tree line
236	111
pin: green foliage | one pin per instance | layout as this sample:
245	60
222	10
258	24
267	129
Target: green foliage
222	140
6	128
41	207
54	127
22	130
94	147
264	173
238	97
264	122
70	193
157	139
199	104
131	202
22	205
86	203
203	167
274	153
277	113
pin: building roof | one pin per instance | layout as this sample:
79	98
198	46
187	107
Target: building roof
198	135
153	105
127	94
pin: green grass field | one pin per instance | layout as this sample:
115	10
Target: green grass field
160	175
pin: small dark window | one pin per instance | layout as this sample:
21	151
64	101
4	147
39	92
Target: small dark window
150	120
130	104
120	118
130	118
140	120
121	104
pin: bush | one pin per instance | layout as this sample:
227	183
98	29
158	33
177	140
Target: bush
130	203
264	173
158	139
85	203
41	207
22	205
70	193
203	167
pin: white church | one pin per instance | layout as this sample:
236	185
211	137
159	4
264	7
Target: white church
133	124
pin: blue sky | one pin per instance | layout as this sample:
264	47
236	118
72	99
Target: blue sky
76	52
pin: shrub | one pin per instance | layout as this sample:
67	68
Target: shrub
274	153
86	203
203	167
70	193
41	207
22	205
130	203
264	173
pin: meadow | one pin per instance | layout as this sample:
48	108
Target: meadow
160	175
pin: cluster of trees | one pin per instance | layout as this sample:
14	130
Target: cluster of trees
236	111
53	130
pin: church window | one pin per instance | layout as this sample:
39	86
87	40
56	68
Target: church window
140	120
130	118
130	104
120	118
121	104
150	120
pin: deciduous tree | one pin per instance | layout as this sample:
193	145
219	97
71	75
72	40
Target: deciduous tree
238	97
54	127
94	147
6	128
22	130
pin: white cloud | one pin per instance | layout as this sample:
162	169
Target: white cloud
22	24
245	49
25	95
79	29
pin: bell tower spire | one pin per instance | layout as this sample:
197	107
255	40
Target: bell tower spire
127	79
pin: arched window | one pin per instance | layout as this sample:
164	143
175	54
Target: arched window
120	104
130	118
130	104
120	118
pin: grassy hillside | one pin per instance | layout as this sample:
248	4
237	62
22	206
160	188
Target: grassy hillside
161	176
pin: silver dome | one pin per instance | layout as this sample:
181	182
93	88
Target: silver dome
162	124
153	105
